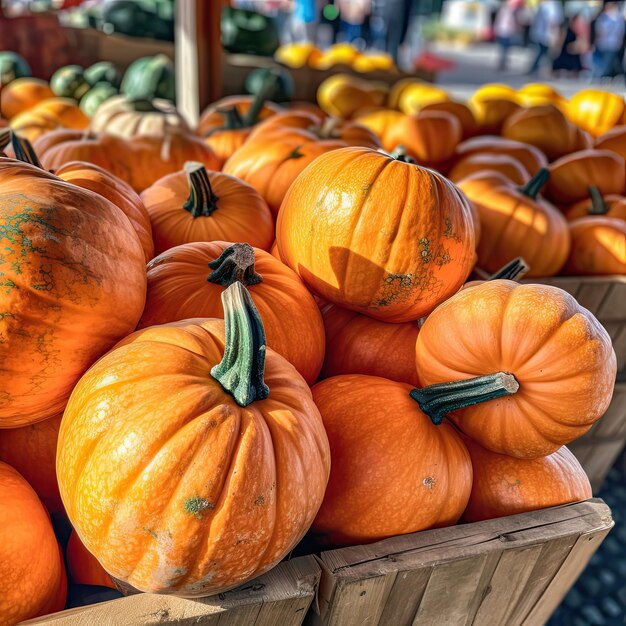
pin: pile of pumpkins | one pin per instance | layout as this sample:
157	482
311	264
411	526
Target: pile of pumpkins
213	342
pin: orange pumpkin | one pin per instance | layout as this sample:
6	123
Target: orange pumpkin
121	194
273	161
607	206
546	128
614	140
516	222
49	115
31	566
59	147
530	157
492	113
83	567
598	247
23	94
72	268
31	450
187	281
572	175
213	482
504	485
358	344
507	165
558	363
197	205
215	116
393	472
469	125
367	212
274	251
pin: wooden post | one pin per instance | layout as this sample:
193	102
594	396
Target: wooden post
198	56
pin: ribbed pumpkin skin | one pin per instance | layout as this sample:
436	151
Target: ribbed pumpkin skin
212	118
572	175
173	486
358	344
31	567
513	225
529	156
23	94
598	246
507	165
32	451
225	143
83	567
595	110
393	472
121	194
504	485
614	140
241	214
178	289
559	353
469	126
49	115
375	235
616	208
71	265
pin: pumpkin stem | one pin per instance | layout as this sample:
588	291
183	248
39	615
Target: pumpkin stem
233	119
598	205
329	129
236	263
242	368
401	154
513	270
5	138
267	90
535	184
24	150
142	105
439	400
201	201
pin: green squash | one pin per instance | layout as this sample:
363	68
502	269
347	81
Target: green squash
69	82
283	88
103	72
96	96
247	32
149	78
12	66
140	18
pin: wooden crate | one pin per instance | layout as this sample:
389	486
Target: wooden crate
509	571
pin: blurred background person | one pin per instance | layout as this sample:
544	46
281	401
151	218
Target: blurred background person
507	28
608	41
575	44
352	14
388	24
545	32
305	16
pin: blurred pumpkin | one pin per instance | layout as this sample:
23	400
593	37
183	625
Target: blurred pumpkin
48	115
409	95
598	247
297	54
214	117
507	165
342	95
610	205
469	126
614	140
538	94
373	61
596	110
337	54
491	114
23	94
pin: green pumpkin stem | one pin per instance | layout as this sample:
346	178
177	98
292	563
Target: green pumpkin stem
5	138
236	263
241	371
598	205
24	150
401	154
514	270
202	202
142	105
233	119
536	183
266	92
439	400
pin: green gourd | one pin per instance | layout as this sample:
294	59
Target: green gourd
12	66
103	72
69	82
97	95
149	78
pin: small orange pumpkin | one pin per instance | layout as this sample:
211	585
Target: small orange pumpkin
215	116
492	113
614	140
49	115
478	162
23	94
595	204
198	205
469	125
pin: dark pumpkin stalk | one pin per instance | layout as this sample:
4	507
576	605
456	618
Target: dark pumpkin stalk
514	270
439	400
202	202
598	205
233	118
24	150
536	183
5	138
401	154
242	369
236	263
266	92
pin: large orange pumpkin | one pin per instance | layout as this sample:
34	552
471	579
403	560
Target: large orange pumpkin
187	281
31	564
73	284
23	94
614	140
393	472
539	336
595	204
504	485
358	344
121	194
178	472
516	222
530	157
546	128
197	205
478	162
572	175
83	567
32	450
376	235
598	246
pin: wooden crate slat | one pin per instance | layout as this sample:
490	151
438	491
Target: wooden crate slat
280	596
405	597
